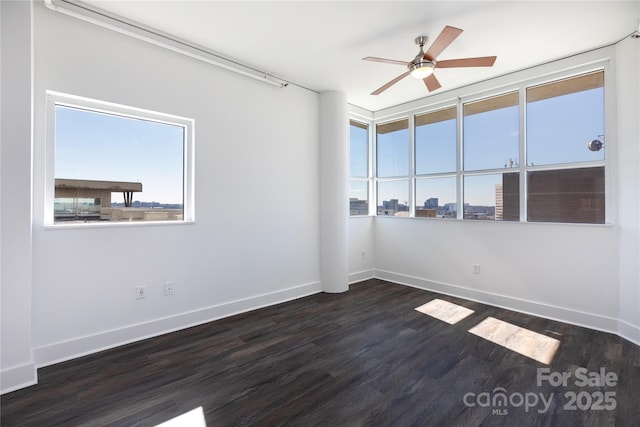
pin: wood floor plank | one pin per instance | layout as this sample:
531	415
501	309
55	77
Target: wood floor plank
362	358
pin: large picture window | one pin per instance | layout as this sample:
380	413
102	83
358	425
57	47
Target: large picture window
113	163
535	152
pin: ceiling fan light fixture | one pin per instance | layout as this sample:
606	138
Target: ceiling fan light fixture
422	69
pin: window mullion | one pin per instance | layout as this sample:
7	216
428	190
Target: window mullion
373	194
459	161
523	153
412	165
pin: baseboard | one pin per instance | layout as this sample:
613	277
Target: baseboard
562	314
359	276
629	332
77	347
17	377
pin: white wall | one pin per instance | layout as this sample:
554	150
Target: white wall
255	240
362	250
334	192
567	272
16	363
628	146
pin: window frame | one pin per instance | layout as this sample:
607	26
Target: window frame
414	176
370	168
518	82
54	99
410	163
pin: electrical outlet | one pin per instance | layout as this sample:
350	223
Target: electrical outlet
476	268
168	288
141	292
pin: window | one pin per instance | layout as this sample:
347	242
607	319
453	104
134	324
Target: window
535	153
436	197
492	197
358	168
393	198
435	164
392	145
392	141
436	142
491	143
565	178
566	195
111	163
491	133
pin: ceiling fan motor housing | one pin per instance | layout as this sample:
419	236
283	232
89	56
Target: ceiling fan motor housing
419	62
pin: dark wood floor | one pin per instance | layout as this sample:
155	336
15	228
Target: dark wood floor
365	357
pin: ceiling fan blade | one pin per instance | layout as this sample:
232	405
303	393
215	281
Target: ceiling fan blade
386	61
431	82
481	61
391	83
443	40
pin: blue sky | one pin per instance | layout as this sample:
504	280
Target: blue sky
107	147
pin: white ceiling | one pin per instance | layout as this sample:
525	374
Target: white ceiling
320	44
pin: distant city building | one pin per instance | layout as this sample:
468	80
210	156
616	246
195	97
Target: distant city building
451	207
390	204
393	208
426	213
431	203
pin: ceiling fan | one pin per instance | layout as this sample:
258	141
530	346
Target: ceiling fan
423	65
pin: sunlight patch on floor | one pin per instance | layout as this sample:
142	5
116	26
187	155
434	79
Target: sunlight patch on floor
445	311
523	341
193	418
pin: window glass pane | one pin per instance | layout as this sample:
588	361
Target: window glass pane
566	195
135	167
436	197
491	133
358	149
393	198
492	197
562	117
436	142
358	197
392	142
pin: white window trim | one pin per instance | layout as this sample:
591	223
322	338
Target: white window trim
57	98
362	116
